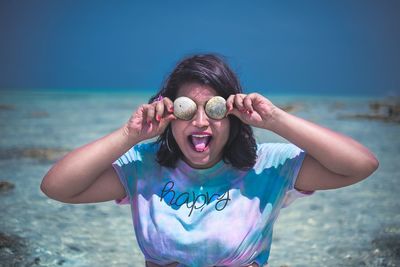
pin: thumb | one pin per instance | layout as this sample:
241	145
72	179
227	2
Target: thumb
235	112
170	117
164	121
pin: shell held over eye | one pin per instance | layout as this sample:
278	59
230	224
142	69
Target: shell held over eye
184	108
216	107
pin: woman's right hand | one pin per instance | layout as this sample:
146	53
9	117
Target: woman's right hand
86	175
150	120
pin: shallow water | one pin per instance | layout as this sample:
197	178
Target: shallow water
354	226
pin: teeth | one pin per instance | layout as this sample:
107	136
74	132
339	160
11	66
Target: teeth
200	135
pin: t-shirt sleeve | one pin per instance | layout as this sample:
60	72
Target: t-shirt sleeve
291	168
286	159
127	169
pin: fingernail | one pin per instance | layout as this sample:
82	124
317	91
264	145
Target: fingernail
171	109
158	118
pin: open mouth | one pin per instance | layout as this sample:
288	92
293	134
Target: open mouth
200	142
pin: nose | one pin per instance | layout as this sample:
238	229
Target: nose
200	118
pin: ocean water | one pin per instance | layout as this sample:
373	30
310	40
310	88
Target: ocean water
357	225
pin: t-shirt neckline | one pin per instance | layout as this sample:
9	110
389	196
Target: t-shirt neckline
213	170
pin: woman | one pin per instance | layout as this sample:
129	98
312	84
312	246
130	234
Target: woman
205	194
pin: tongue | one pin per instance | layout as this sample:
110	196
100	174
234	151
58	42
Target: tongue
200	143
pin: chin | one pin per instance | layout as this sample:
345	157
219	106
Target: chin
200	163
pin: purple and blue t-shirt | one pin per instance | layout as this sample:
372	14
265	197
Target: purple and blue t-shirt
219	216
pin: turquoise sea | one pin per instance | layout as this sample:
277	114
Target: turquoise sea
354	226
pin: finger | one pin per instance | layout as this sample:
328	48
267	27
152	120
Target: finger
247	102
159	109
229	102
136	119
150	113
140	113
166	120
239	102
168	104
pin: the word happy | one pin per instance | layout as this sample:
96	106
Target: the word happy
184	198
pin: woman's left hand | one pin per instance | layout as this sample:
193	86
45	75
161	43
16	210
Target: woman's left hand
253	109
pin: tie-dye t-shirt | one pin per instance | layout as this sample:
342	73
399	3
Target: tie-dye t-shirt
219	216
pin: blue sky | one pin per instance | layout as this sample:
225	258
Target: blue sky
313	47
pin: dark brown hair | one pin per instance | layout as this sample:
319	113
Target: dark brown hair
211	70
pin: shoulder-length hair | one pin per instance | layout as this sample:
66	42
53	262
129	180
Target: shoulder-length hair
209	69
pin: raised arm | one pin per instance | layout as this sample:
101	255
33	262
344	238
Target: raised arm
87	167
333	160
86	175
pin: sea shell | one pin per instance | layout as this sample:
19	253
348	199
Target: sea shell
216	107
184	108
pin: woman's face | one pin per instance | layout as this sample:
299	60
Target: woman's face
200	139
